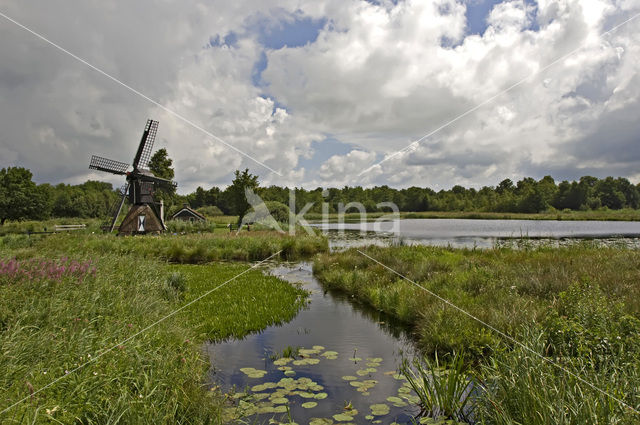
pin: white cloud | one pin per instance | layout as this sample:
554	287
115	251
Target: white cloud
377	77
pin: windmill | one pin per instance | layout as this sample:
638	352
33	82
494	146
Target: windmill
145	214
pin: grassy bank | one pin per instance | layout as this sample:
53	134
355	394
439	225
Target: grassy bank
577	306
189	248
66	300
598	215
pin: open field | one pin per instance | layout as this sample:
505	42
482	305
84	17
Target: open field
66	300
577	306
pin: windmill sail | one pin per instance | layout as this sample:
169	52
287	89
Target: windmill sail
108	165
143	155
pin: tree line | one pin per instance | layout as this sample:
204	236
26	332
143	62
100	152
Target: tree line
21	198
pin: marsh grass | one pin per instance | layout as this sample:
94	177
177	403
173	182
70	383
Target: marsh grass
51	325
504	287
575	306
444	388
183	249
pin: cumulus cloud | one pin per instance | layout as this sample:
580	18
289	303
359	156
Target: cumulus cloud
377	77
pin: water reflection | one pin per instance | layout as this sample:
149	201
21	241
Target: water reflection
332	321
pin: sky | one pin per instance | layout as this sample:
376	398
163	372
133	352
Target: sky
321	90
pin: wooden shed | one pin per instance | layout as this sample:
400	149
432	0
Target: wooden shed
188	214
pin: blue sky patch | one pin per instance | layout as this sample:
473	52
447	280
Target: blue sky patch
290	33
478	11
324	150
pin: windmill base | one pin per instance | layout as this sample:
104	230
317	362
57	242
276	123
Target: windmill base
141	219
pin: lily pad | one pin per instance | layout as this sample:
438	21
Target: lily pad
289	372
318	347
309	404
253	373
320	421
349	378
282	361
321	396
379	409
280	400
342	417
280	409
355	359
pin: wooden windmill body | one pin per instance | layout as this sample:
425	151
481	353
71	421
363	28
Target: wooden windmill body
146	214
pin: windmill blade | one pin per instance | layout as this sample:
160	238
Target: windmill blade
108	165
117	210
143	155
158	180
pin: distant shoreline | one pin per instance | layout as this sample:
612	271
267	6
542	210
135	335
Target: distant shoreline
601	215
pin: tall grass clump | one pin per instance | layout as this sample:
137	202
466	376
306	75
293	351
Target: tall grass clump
444	388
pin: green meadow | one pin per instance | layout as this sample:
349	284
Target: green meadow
98	309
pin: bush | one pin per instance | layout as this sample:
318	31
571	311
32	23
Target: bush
210	211
278	210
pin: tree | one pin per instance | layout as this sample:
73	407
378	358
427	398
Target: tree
234	196
160	165
20	198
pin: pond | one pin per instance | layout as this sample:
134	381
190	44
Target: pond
346	366
470	233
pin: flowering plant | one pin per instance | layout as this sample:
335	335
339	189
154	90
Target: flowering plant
15	271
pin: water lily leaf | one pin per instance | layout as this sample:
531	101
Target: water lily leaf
349	378
329	354
397	401
316	388
320	421
374	359
362	372
280	409
355	359
307	352
284	368
312	361
258	388
309	404
371	369
342	417
399	376
261	396
318	347
368	417
280	400
282	361
379	409
321	396
289	372
355	384
305	394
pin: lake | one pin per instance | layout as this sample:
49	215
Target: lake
476	233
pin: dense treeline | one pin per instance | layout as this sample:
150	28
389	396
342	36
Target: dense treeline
21	198
525	196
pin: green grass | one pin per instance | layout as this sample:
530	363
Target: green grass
577	306
49	327
188	248
238	310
